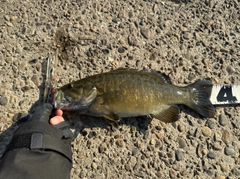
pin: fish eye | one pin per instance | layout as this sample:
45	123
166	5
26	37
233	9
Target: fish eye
70	86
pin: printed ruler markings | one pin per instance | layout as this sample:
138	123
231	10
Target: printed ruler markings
225	94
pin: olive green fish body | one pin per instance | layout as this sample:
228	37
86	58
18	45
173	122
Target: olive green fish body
126	93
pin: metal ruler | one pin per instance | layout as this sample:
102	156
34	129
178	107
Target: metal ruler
225	94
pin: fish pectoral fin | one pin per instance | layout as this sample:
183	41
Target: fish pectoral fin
168	114
112	119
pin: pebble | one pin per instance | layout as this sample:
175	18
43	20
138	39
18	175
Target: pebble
220	177
210	123
35	80
9	24
206	131
236	171
197	37
119	142
226	137
152	142
132	40
181	142
211	155
6	17
121	50
135	151
229	150
94	165
3	101
181	128
159	174
217	146
230	69
179	155
145	32
224	168
222	120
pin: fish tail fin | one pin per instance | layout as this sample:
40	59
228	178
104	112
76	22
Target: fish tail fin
200	92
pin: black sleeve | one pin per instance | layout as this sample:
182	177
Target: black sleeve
37	151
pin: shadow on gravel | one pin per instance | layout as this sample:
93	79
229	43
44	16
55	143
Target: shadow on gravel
181	1
41	88
80	122
6	135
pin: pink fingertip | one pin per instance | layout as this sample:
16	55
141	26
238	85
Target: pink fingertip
58	112
56	120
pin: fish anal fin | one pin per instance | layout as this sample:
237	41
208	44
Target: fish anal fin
168	114
112	119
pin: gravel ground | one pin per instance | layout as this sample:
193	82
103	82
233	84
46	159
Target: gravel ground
184	39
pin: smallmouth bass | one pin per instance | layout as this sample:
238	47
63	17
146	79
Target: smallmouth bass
128	93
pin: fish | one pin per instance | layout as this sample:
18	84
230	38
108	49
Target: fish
129	93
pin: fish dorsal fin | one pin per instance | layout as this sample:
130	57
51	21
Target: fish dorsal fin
112	119
155	75
168	114
149	73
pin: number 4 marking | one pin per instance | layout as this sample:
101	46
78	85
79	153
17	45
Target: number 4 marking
225	95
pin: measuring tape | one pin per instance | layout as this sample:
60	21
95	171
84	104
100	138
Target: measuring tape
225	94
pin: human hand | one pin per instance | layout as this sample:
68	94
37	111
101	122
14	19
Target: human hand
39	131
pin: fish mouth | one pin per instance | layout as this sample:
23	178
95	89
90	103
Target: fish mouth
60	100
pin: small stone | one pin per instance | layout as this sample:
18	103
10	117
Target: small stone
187	35
132	40
6	17
224	168
76	25
128	167
204	151
197	37
25	88
159	174
121	50
120	143
9	24
179	155
181	142
145	32
13	18
35	80
172	174
94	165
206	131
229	150
220	177
230	69
181	128
223	120
217	146
101	149
211	155
152	142
135	151
22	65
226	137
3	101
236	171
210	123
9	59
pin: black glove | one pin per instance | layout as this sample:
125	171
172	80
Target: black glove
37	134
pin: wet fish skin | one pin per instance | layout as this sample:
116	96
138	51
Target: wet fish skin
128	93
